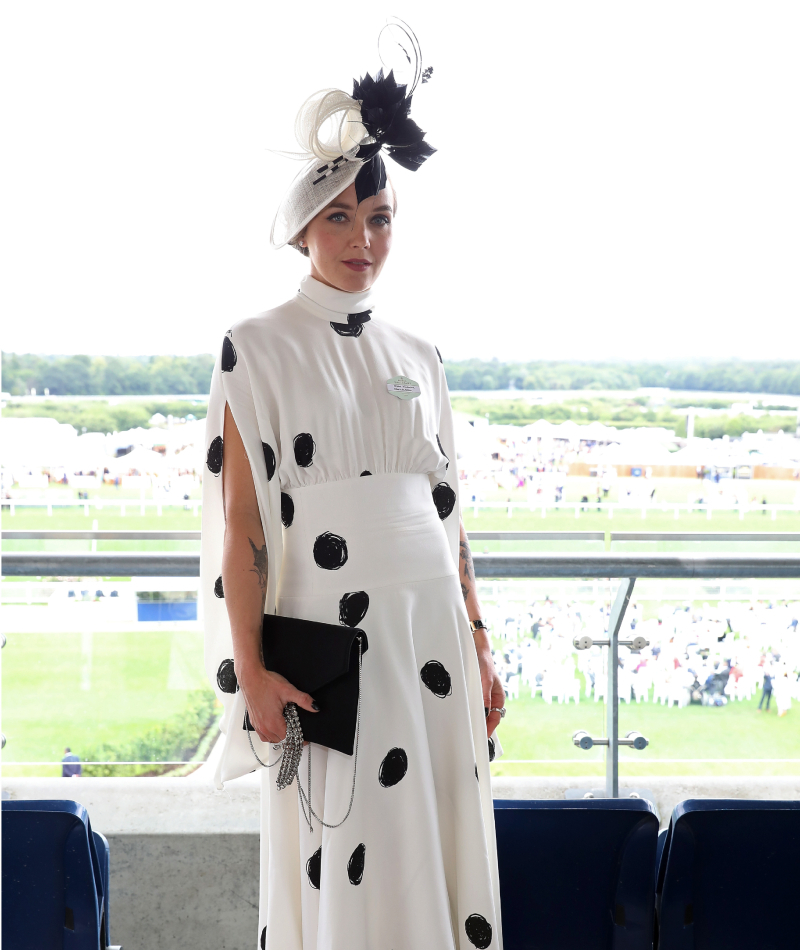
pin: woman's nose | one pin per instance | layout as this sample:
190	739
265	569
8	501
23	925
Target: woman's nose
359	236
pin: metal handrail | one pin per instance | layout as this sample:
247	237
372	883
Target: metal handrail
644	564
703	536
29	535
498	565
90	564
101	535
537	535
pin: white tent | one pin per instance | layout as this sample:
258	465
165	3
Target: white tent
541	429
568	430
140	460
598	432
35	442
139	436
189	458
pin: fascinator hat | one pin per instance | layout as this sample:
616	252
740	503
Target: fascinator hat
343	137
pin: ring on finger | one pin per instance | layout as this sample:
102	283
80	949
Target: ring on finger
500	709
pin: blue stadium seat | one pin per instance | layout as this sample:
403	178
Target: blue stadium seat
730	876
662	840
55	887
104	860
576	874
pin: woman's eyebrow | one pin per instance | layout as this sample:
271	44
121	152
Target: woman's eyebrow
338	204
383	208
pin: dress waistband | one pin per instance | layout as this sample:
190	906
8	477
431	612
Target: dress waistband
359	533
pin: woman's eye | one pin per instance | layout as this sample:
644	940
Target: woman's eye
381	219
337	216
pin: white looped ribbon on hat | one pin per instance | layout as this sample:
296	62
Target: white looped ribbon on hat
319	110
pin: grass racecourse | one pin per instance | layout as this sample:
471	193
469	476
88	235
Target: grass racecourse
85	689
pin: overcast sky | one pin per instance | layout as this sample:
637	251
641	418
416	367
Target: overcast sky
613	180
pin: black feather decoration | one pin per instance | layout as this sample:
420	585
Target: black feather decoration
385	108
371	178
411	158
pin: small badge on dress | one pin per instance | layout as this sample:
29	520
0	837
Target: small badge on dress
403	387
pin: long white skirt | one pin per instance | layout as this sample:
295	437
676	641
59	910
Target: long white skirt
414	867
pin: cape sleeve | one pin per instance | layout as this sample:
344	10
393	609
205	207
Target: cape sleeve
232	384
446	493
444	481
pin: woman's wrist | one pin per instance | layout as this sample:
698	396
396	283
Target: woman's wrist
248	665
483	644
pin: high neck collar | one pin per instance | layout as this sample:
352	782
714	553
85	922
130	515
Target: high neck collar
330	302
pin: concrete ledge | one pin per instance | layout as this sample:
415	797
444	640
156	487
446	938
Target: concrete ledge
181	806
667	790
153	806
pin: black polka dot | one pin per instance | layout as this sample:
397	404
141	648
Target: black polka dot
354	326
476	771
491	749
436	678
218	591
365	472
444	498
353	608
226	677
228	355
330	551
304	449
214	457
314	868
438	354
287	509
479	931
269	460
355	866
263	932
439	443
393	768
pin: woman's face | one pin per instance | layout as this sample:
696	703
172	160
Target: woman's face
348	243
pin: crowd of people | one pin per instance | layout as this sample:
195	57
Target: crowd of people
709	655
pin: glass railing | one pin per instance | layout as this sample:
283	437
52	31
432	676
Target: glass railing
110	662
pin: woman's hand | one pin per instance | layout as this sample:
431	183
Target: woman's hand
265	695
494	696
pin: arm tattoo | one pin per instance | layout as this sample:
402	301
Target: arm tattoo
464	593
466	560
259	564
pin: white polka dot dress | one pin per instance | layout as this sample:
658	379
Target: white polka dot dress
347	424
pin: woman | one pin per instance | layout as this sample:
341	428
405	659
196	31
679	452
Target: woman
338	502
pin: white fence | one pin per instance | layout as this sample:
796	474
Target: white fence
578	507
124	506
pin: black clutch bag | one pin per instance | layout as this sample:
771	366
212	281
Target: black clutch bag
321	659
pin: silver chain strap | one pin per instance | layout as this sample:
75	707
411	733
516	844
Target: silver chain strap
277	745
292	749
306	799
